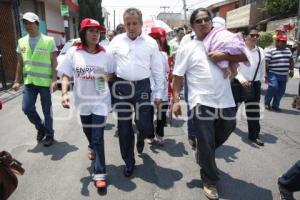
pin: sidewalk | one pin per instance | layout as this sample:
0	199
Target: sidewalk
6	95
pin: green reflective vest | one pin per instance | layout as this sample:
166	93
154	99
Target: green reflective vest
37	69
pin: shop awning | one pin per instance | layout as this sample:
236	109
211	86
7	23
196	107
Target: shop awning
72	4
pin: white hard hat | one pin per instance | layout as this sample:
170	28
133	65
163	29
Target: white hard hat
31	17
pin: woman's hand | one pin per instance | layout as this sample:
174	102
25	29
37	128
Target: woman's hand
65	100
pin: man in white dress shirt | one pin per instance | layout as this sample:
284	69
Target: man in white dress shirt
137	57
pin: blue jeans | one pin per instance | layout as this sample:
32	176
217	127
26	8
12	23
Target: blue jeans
93	127
276	89
133	95
30	94
290	180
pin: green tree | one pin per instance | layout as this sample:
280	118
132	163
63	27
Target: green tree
281	7
90	9
265	39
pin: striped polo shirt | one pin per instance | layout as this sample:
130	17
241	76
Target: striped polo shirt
279	60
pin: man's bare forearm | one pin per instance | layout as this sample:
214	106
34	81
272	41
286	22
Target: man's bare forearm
177	83
236	58
19	70
292	64
267	67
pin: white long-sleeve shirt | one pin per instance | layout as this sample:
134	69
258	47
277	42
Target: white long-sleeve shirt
138	59
246	73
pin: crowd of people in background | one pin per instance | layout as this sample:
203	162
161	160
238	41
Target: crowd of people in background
140	76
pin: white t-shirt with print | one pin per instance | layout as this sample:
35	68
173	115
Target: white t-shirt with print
205	81
81	65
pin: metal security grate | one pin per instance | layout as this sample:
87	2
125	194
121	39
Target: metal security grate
7	42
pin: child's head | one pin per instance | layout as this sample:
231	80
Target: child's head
218	22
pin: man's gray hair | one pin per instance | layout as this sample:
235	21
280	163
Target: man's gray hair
134	11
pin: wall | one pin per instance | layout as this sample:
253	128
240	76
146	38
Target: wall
8	41
225	8
54	20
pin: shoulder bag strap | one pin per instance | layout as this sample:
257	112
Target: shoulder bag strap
259	57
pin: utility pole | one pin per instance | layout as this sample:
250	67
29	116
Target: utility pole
114	19
164	7
184	11
297	34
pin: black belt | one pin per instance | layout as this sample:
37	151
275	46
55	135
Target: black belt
133	82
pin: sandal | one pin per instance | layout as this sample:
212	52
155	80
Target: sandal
91	155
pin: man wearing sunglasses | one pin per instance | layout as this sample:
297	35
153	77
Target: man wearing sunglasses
210	98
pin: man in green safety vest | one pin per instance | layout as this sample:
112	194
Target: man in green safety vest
37	65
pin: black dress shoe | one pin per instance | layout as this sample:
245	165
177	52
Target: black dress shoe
258	142
48	141
40	135
128	171
140	146
276	109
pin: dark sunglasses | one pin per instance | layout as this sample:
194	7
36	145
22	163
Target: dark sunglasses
202	21
254	35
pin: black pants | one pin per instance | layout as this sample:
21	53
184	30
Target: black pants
291	179
132	96
161	119
253	112
213	127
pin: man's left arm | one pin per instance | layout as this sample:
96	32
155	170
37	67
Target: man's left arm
218	56
53	57
291	73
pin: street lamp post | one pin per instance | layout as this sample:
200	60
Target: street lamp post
298	30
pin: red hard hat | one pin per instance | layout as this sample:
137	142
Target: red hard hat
91	23
282	38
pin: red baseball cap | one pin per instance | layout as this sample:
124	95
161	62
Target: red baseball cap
91	23
282	38
158	33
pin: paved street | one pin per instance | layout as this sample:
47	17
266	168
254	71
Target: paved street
62	171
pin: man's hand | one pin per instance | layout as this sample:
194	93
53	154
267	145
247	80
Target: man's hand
216	56
53	86
176	109
76	41
291	73
16	86
157	102
65	100
109	77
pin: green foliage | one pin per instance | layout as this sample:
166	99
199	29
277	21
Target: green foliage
90	9
281	7
265	39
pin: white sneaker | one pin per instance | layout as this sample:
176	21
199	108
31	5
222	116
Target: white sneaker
150	140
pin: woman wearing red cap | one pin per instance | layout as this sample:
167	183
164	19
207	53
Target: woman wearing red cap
89	64
159	35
